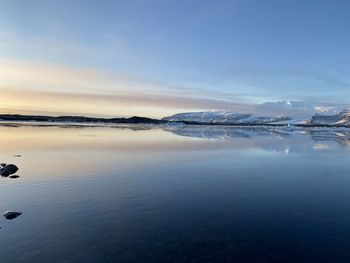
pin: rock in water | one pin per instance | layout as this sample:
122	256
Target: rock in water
3	164
4	172
14	176
9	215
11	168
8	170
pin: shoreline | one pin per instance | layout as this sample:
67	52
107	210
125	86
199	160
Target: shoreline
15	123
137	120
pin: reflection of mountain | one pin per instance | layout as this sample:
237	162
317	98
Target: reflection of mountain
224	117
290	138
222	132
331	135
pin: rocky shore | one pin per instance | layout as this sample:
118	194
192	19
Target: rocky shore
9	170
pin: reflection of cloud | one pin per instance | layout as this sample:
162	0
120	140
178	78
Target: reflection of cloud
119	138
321	147
136	139
286	151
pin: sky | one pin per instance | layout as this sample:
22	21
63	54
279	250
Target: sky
159	57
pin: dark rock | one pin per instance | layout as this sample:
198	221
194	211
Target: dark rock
9	215
11	168
4	173
8	170
14	176
17	155
3	164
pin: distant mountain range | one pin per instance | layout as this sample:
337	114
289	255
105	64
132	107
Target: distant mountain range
78	119
299	109
204	118
342	118
224	117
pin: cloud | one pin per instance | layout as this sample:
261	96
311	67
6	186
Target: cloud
42	88
113	104
303	83
35	87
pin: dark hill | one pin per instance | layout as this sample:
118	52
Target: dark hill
82	119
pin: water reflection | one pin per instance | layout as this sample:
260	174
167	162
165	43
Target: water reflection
224	132
323	138
141	138
175	194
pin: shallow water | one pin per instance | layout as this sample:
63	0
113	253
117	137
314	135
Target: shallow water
175	194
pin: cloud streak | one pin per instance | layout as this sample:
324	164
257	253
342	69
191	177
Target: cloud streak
35	87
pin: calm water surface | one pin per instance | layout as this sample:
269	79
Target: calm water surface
175	194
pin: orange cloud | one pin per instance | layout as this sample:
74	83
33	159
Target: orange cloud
33	87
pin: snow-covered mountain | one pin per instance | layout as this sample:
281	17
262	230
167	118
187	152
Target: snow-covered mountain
298	112
225	117
342	118
299	109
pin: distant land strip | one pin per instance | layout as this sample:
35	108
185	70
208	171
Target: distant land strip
79	119
145	120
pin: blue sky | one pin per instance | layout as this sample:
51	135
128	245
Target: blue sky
161	57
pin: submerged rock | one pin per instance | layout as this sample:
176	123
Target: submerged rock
9	215
17	155
8	170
